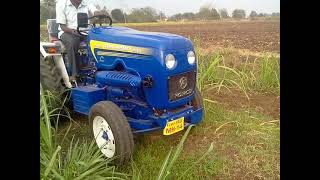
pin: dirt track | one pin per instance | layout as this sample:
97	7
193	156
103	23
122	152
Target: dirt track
258	36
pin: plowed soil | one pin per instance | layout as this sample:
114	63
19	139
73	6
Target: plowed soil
257	36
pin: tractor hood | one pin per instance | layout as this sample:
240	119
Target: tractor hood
142	54
131	37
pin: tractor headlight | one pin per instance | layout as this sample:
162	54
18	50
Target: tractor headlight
170	61
191	57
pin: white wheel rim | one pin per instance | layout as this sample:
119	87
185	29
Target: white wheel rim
104	136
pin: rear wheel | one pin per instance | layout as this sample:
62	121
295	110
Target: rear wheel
50	77
111	131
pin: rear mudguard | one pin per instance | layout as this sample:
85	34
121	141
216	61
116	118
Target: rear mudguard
58	61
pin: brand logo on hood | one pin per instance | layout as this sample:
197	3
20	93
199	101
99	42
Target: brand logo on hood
183	82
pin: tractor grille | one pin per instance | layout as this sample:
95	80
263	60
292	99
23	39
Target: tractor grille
181	85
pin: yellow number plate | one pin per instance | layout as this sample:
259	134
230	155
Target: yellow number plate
174	126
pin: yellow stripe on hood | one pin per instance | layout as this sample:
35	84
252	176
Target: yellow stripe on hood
118	47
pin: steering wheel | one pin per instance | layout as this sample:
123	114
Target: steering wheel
99	17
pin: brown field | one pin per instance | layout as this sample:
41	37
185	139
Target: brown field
258	36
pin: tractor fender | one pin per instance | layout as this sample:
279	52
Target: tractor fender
58	61
43	51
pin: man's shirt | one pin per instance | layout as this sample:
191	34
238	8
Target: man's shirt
66	13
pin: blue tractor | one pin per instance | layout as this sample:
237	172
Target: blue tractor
130	82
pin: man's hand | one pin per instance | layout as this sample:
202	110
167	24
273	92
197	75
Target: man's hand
68	30
76	33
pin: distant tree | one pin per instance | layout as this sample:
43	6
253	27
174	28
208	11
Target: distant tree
146	14
188	15
215	14
176	17
275	14
136	15
261	15
47	10
105	11
224	13
150	11
253	14
118	15
206	13
239	14
49	3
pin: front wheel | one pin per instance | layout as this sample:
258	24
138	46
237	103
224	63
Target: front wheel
111	131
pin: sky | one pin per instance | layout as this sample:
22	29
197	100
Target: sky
170	7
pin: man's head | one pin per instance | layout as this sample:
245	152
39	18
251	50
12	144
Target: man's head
76	2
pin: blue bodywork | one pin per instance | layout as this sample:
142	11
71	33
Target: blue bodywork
121	71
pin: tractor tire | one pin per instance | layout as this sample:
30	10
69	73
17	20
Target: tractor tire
50	77
111	131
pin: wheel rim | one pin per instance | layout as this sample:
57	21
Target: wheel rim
104	136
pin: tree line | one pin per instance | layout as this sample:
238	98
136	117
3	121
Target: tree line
149	14
207	13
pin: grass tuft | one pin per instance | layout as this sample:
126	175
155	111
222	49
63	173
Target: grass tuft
262	75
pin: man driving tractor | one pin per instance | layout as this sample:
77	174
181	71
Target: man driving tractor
66	17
